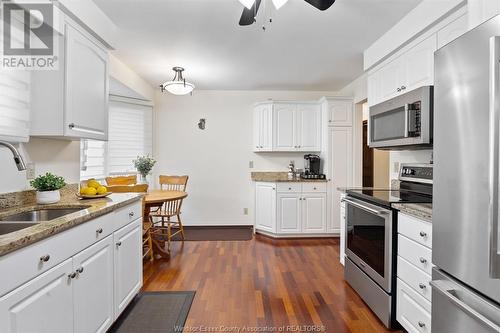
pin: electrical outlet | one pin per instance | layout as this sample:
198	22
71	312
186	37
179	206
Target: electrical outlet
396	167
250	164
245	211
30	171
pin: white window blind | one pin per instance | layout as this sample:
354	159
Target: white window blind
130	134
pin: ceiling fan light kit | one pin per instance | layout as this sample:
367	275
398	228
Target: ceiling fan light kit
178	85
247	3
279	3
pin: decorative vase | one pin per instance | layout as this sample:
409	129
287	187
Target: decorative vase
143	179
47	197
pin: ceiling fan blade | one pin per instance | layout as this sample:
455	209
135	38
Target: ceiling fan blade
248	16
321	4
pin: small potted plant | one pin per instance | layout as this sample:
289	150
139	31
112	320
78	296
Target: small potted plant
47	188
144	165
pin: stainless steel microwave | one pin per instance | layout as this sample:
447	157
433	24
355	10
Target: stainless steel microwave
403	122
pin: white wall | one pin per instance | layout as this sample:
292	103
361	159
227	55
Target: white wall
57	156
216	159
123	74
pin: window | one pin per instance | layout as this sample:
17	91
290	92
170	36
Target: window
130	134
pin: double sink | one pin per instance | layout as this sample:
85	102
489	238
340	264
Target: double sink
33	217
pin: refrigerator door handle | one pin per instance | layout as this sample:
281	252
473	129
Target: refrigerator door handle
446	289
494	183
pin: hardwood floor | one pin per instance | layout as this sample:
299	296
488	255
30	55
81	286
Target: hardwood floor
263	283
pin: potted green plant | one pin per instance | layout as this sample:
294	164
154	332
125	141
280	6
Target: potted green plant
47	188
144	165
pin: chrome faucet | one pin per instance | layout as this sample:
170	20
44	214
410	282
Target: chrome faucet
18	159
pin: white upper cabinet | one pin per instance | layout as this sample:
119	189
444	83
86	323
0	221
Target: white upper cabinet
452	31
14	105
309	127
263	127
287	127
339	112
480	11
411	70
72	102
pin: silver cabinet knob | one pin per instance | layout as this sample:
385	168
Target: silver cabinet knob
79	270
99	231
398	89
289	188
423	260
45	258
314	188
72	275
119	243
403	87
131	214
422	286
421	324
423	234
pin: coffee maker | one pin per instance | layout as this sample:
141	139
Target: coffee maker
312	167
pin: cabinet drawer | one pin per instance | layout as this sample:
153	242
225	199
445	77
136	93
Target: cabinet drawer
415	278
41	256
415	229
314	187
289	187
127	214
416	254
413	311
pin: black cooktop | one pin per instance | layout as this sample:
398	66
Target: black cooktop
387	197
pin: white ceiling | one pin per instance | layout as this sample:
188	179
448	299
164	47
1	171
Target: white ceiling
303	49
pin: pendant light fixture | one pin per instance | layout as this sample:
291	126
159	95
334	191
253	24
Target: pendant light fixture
178	85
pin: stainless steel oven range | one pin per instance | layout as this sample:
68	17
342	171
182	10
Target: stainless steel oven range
371	229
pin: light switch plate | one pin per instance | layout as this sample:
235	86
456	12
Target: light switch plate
250	164
245	211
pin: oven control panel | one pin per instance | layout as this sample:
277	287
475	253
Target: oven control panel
419	173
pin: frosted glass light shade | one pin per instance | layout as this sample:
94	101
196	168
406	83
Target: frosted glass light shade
279	3
247	3
178	87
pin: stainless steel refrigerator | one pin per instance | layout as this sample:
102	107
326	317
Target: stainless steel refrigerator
466	279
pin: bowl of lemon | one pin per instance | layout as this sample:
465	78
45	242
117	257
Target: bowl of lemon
92	190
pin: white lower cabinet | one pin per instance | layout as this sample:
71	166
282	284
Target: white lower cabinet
342	229
286	209
41	305
93	287
413	306
128	265
84	293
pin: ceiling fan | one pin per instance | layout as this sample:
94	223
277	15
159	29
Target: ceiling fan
252	7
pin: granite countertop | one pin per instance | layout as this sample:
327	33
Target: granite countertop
92	209
278	177
419	210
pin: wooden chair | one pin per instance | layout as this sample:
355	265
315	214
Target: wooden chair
121	180
169	209
173	183
147	240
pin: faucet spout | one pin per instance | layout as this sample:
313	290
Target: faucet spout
18	159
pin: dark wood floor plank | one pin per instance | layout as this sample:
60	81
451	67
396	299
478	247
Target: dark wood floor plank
263	282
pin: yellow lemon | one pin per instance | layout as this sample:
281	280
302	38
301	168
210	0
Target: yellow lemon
90	191
83	189
102	190
93	183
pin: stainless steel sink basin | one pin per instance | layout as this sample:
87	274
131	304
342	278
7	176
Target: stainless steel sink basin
40	215
8	227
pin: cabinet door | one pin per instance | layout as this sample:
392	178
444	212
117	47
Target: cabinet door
93	287
392	78
419	64
340	169
340	113
308	127
374	88
314	213
15	105
285	128
265	207
342	231
288	213
452	31
44	304
127	264
267	128
257	128
86	103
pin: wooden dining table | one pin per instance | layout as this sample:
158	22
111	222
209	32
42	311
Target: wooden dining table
156	199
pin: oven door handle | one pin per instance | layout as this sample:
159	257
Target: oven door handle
361	206
407	120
